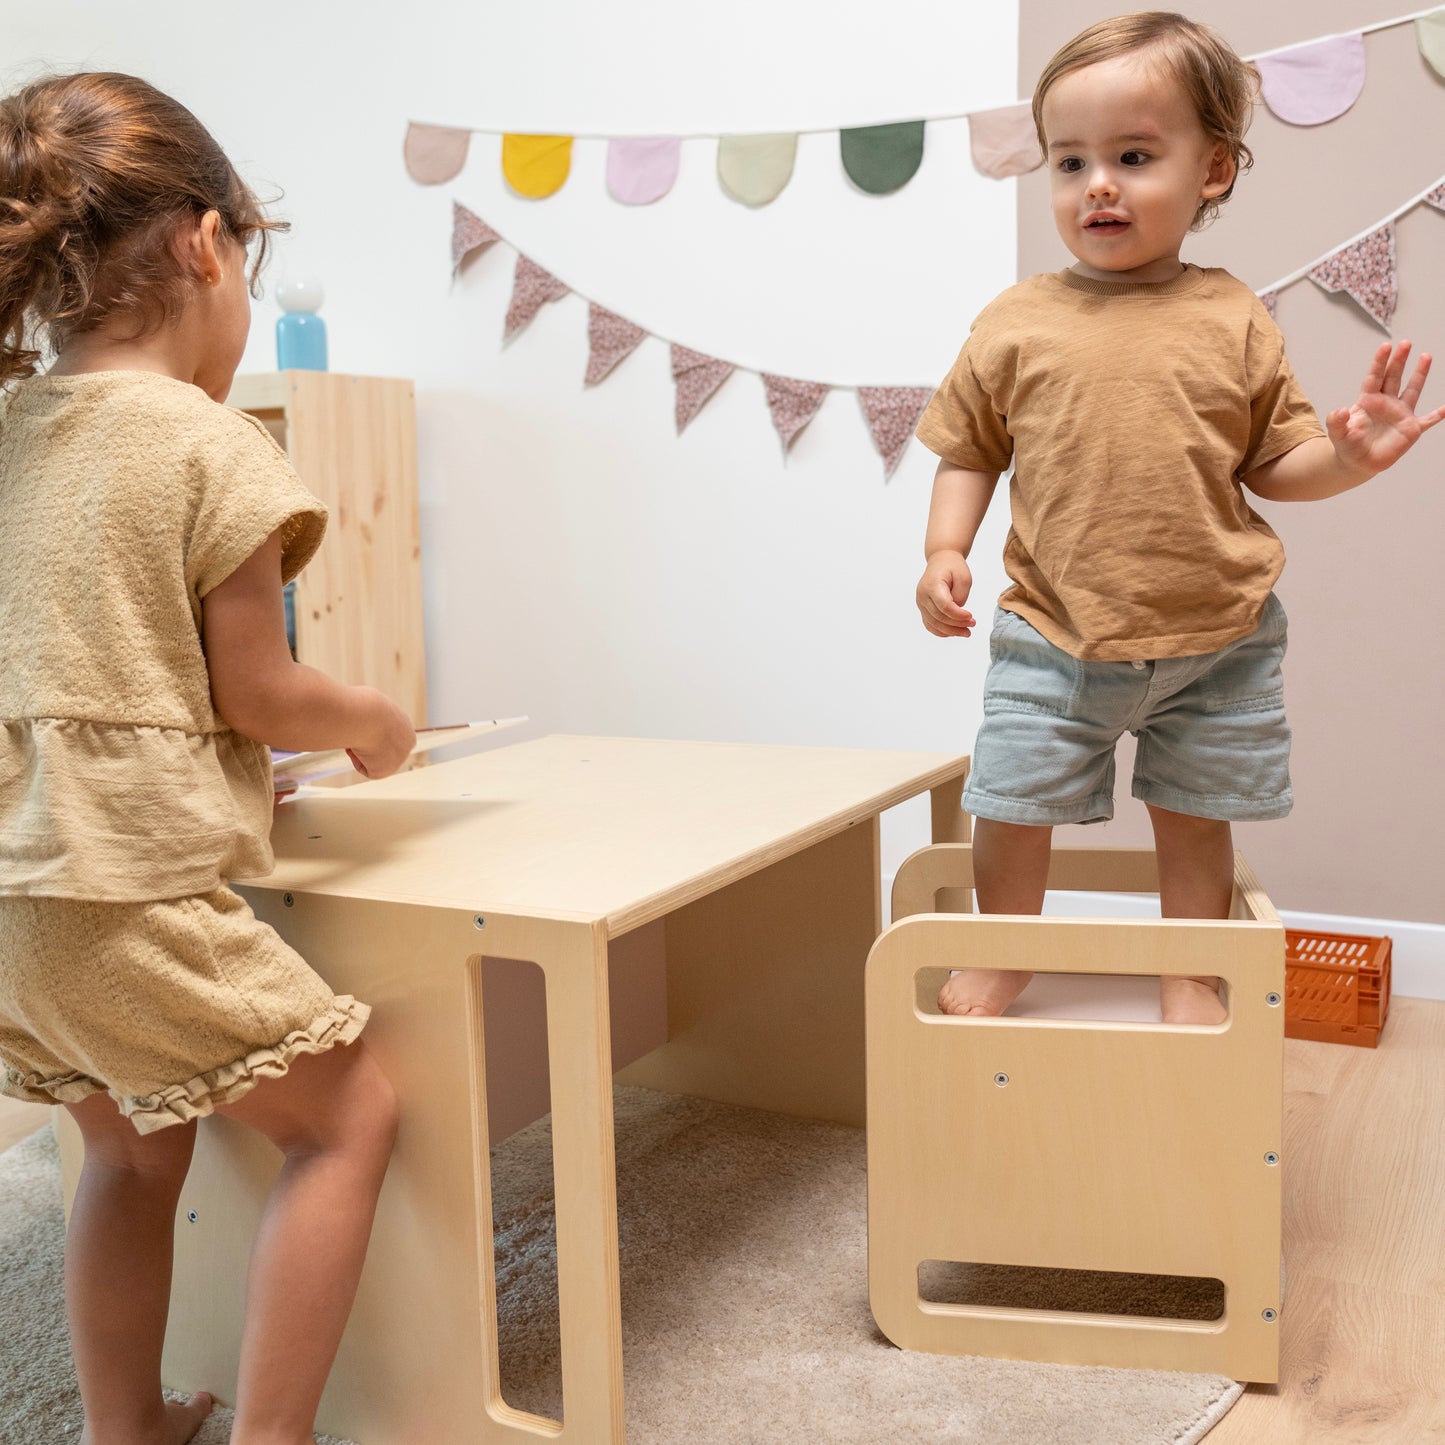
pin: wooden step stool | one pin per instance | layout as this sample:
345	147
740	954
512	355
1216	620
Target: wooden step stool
1131	1147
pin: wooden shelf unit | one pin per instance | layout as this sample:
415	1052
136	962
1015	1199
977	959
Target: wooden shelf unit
352	439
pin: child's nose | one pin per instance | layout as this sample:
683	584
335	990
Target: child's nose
1101	183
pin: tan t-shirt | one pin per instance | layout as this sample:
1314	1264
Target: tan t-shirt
1129	412
125	497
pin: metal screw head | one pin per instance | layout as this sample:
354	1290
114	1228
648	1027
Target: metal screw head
479	922
1273	1000
191	1215
1001	1079
1271	1157
1269	1316
288	899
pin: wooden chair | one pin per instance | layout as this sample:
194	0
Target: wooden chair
1071	1144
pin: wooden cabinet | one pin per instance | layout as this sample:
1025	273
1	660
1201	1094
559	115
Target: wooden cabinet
352	439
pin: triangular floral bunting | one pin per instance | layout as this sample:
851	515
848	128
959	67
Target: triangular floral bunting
793	404
609	338
892	413
1270	300
532	288
697	377
1437	197
469	233
1366	271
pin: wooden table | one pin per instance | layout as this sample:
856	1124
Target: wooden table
757	870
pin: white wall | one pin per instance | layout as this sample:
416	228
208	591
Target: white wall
583	565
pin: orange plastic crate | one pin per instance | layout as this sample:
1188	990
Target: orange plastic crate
1336	987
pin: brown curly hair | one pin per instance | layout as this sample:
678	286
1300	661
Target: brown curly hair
97	172
1223	87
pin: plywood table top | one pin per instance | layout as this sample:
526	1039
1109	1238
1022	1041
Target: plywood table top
621	830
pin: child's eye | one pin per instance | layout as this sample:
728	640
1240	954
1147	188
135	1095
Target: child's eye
1070	164
1133	158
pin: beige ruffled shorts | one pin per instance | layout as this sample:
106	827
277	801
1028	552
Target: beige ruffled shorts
172	1007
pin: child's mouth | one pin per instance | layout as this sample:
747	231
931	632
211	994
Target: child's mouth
1106	228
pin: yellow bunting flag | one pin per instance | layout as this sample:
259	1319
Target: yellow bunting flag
536	165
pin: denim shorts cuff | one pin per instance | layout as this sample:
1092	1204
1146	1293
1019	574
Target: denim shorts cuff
1098	808
1223	807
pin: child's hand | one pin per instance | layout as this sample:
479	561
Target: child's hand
1382	426
942	591
395	738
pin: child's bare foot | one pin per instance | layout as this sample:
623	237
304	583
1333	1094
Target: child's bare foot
981	992
184	1418
1184	1000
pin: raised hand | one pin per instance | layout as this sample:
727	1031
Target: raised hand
1382	425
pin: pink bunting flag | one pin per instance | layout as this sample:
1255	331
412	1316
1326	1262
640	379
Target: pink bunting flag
1271	300
469	233
1436	197
1004	142
609	339
435	153
793	404
1310	84
696	377
1366	271
892	413
532	288
642	169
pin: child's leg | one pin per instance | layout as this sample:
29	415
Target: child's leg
118	1276
1196	880
333	1115
1010	872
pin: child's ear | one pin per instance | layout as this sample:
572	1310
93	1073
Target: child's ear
1221	174
198	246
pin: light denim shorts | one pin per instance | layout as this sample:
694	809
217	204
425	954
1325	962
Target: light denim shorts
1213	740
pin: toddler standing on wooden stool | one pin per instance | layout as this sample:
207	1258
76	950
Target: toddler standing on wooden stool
1136	396
143	668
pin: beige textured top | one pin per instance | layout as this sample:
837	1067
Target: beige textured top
1129	412
125	497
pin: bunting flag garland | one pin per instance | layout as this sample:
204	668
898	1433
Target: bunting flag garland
1436	198
696	377
536	165
1271	303
610	338
532	289
892	414
879	159
1365	270
469	233
754	169
1004	142
792	404
1307	83
1311	84
642	169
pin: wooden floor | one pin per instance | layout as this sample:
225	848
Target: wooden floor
1363	1329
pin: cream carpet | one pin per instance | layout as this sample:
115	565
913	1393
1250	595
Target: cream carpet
744	1302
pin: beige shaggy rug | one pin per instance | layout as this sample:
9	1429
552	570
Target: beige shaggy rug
744	1304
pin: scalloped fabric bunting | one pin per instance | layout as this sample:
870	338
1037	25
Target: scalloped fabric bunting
882	158
434	153
1310	84
1004	142
532	289
1365	271
536	165
892	413
754	169
1430	37
642	169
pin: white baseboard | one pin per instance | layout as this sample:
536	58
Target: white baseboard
1417	956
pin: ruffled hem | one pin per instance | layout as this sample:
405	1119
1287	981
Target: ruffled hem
342	1023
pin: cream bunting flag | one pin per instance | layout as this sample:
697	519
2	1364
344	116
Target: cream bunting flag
793	404
469	233
1310	84
754	169
435	153
1366	271
1430	37
697	377
610	338
1005	142
892	413
532	288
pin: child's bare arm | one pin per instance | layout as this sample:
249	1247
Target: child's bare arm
261	691
960	499
1363	439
